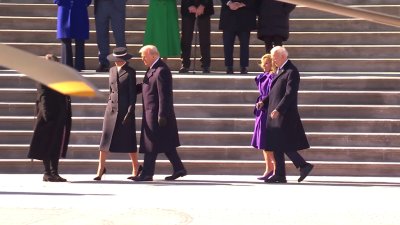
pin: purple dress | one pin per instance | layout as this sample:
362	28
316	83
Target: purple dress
263	82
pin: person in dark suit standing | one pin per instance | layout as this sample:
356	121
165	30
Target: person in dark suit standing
73	23
273	22
192	11
284	128
106	12
238	18
159	133
119	131
52	129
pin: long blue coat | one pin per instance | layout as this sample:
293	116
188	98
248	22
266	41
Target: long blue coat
73	19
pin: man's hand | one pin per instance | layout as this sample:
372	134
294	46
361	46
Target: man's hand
274	114
200	10
192	9
162	121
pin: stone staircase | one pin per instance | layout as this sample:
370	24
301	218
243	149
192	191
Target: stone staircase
349	98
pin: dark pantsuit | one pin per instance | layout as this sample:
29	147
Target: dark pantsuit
108	11
150	162
229	41
67	55
272	41
294	156
203	23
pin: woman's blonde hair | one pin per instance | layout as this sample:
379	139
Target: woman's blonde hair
265	58
51	57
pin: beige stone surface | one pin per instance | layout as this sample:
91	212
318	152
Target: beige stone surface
198	200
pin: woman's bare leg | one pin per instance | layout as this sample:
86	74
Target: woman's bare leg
271	161
102	162
135	163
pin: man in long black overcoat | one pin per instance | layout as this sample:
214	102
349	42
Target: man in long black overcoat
159	133
285	132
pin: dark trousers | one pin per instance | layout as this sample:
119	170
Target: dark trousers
67	55
203	25
272	41
294	156
107	11
149	162
229	41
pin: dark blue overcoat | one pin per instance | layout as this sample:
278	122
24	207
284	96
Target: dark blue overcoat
157	101
73	19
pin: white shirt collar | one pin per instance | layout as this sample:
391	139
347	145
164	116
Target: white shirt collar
119	67
283	64
154	62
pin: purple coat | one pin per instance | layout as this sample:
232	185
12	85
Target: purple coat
73	19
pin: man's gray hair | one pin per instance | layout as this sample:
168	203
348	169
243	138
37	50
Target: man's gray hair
280	50
151	48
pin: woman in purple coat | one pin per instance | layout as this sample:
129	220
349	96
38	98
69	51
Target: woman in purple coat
263	82
73	23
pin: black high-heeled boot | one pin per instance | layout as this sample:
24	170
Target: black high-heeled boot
47	176
102	173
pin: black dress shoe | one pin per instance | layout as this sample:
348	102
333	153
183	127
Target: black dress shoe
243	70
229	70
177	174
142	178
276	179
304	171
206	69
184	70
102	68
137	173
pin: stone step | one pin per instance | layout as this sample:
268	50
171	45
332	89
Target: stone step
207	167
146	2
220	110
223	124
138	24
140	11
236	97
296	38
226	138
316	153
217	51
352	65
309	81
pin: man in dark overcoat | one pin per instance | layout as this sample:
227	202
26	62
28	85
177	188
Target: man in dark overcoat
285	132
52	129
159	133
237	18
273	22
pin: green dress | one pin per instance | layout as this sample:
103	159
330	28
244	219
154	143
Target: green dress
162	29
